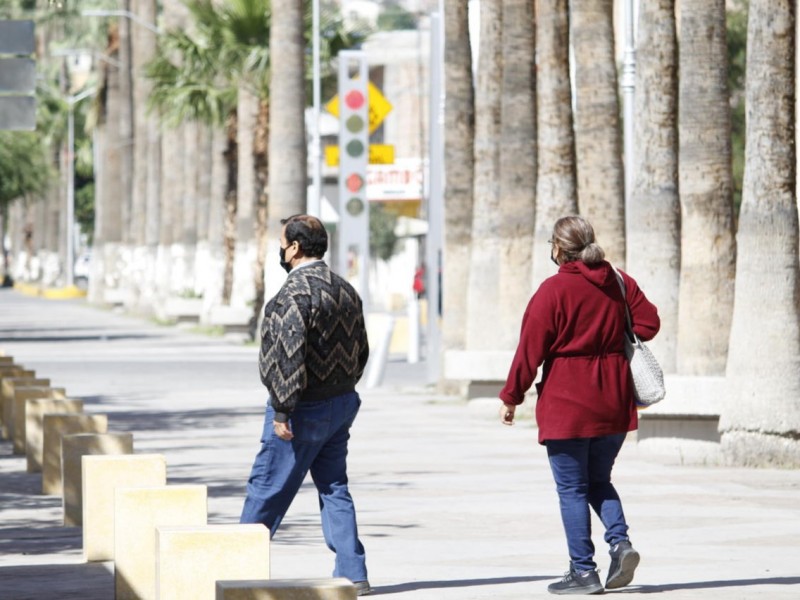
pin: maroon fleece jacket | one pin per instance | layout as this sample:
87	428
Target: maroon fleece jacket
574	324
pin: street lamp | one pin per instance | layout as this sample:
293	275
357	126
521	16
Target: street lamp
71	102
121	13
315	201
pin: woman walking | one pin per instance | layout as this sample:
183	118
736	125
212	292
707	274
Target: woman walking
575	325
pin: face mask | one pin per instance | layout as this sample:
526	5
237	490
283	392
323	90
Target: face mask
285	265
555	262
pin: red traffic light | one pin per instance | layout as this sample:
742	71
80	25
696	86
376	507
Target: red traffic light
354	99
354	182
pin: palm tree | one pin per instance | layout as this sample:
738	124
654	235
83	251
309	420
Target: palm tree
597	130
105	272
556	191
760	421
488	248
654	210
287	139
708	253
459	138
517	165
145	200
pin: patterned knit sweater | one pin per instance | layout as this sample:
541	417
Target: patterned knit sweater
313	339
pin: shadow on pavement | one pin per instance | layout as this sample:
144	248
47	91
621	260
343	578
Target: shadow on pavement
57	582
702	585
455	583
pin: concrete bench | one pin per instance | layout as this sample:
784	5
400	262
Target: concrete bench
183	310
73	448
21	397
684	427
287	589
486	371
102	475
7	387
232	319
190	560
137	513
55	427
34	426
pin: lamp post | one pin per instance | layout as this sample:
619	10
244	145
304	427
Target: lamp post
71	102
121	13
628	96
314	203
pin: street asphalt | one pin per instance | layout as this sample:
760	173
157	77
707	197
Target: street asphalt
451	504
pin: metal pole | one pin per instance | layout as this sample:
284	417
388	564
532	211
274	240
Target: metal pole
628	91
70	194
315	199
121	13
433	245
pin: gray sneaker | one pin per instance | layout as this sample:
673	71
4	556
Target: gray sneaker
587	582
624	560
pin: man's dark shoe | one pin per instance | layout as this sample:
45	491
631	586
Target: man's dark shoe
624	560
362	588
587	582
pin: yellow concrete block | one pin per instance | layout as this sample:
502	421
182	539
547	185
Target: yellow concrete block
6	361
34	425
338	588
190	560
7	386
102	475
73	448
55	427
137	513
21	396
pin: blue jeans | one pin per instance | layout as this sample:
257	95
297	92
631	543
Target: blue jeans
582	471
321	431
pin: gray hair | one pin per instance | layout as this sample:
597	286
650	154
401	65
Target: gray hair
574	236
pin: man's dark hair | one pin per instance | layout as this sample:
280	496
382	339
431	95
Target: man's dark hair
309	233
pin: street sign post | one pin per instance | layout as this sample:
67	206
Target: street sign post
17	76
353	230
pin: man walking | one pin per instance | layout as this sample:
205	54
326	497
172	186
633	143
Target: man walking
313	352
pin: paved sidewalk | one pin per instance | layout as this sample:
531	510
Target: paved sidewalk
450	503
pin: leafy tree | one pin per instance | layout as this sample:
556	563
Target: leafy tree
382	239
737	54
395	17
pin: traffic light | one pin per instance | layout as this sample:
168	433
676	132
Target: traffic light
353	158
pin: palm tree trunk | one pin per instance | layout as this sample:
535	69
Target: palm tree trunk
145	136
654	236
144	49
459	139
517	166
708	252
108	201
261	158
126	124
597	130
556	186
287	140
760	422
487	246
229	229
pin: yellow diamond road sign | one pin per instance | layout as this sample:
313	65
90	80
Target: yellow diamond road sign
379	154
379	107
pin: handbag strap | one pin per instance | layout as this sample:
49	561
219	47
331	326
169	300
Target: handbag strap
628	323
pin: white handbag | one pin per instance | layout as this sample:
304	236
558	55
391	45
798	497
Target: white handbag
648	378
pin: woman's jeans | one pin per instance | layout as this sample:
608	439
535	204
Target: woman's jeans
582	471
321	431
